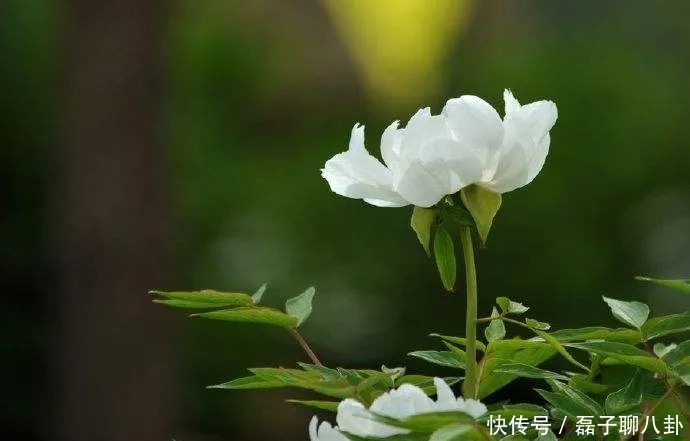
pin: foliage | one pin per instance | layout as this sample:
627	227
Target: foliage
617	371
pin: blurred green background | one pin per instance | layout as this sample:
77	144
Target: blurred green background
151	144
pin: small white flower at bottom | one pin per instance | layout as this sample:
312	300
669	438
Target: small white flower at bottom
324	431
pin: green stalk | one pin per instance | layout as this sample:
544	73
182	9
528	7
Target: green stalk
470	385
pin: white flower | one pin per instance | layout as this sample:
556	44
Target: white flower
324	432
407	400
437	155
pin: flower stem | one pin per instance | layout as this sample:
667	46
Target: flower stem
470	384
302	342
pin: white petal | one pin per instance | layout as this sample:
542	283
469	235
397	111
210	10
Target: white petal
324	432
511	103
357	139
526	143
477	125
422	130
391	141
402	402
454	163
354	418
356	174
313	435
421	186
445	399
472	407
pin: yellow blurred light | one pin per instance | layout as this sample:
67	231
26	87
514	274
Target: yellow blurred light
400	45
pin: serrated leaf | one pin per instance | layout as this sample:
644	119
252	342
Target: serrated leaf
496	329
256	297
536	324
422	222
331	406
452	432
625	353
622	335
441	358
444	253
462	341
483	205
511	307
299	307
626	398
631	313
260	315
252	382
527	371
666	325
206	298
682	285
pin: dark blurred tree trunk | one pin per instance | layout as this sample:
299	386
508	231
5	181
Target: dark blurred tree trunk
113	364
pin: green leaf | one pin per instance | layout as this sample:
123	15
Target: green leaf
483	206
441	358
207	298
422	222
256	297
622	335
582	398
252	382
299	307
682	285
457	351
519	351
626	398
262	315
679	361
510	307
187	304
331	406
625	353
444	252
496	329
306	380
548	436
452	432
462	341
631	313
585	384
593	408
430	422
536	324
325	372
565	404
507	411
558	346
527	371
666	325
